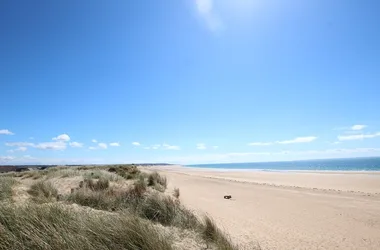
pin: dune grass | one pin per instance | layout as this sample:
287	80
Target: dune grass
176	193
97	174
120	218
212	234
57	227
43	192
156	181
6	184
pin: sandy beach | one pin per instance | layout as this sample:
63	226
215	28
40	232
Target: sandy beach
286	210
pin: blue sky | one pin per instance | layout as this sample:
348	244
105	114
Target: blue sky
188	81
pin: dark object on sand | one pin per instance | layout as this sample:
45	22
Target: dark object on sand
227	197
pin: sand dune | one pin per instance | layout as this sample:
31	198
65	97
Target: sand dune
296	210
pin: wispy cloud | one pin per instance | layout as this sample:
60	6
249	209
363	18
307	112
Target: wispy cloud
299	140
115	144
76	144
260	143
94	141
305	139
170	147
201	146
270	156
91	148
19	144
358	127
4	159
215	147
22	149
102	145
58	145
164	146
62	137
5	132
135	143
206	11
357	136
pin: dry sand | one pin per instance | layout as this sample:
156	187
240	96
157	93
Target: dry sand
286	210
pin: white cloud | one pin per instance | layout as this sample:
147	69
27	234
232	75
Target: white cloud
260	143
62	137
357	137
94	141
4	159
102	145
58	145
170	147
19	144
201	146
299	140
206	11
92	148
5	132
270	156
163	146
136	143
115	144
295	140
23	149
215	147
358	127
76	144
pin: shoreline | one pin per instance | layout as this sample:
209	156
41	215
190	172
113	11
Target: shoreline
282	171
184	167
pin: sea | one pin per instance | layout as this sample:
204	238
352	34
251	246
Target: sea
350	164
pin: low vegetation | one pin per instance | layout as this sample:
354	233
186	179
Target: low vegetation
6	184
58	227
157	181
212	234
101	212
176	193
43	192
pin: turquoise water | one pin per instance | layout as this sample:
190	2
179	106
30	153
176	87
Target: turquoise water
353	164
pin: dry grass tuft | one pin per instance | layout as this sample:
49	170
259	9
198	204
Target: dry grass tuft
157	181
176	193
6	184
57	227
212	234
101	184
43	192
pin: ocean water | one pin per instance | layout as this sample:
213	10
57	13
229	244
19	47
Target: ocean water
352	164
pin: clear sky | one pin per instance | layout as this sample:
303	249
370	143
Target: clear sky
188	81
